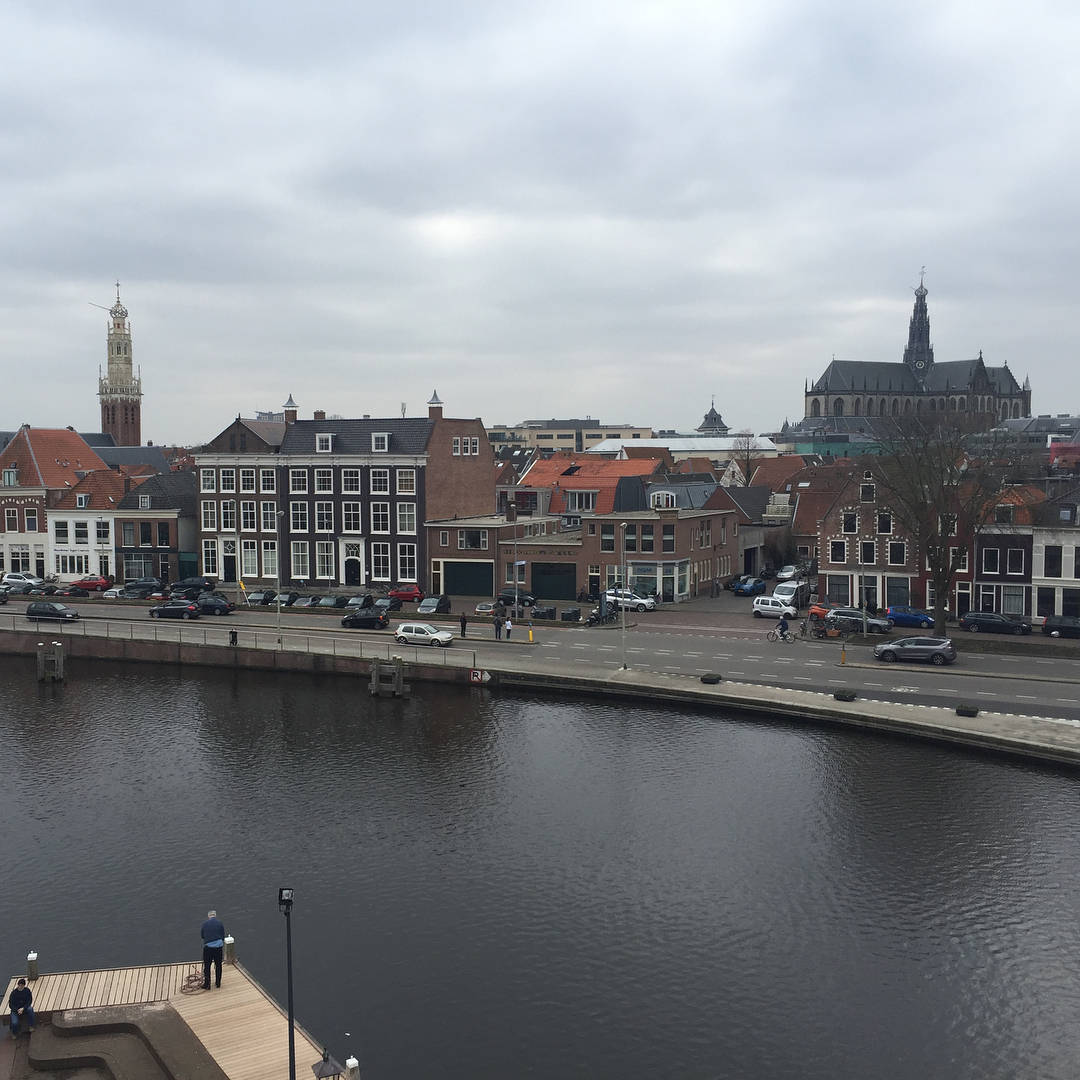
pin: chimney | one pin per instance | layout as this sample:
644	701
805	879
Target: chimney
127	483
290	410
435	407
318	414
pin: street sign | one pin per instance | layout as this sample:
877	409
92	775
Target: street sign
477	676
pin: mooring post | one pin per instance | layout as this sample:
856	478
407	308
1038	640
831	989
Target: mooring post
58	661
31	966
41	661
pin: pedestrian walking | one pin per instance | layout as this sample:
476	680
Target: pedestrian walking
508	626
498	623
464	623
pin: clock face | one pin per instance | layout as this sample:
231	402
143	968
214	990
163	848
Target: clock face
920	364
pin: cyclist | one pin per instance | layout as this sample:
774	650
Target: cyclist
782	627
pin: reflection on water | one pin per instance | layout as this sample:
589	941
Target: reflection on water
531	887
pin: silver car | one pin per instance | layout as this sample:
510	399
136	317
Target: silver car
931	650
630	600
422	634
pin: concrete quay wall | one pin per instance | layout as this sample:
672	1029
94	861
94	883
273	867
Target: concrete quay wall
1045	740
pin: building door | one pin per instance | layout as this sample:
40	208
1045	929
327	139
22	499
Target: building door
554	581
352	572
963	598
39	563
868	592
228	566
467	578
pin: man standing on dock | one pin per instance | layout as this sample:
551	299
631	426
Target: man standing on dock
19	1001
213	935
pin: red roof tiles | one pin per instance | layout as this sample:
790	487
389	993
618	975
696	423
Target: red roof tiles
50	457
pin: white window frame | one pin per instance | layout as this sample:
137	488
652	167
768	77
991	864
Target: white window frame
247	480
249	559
456	446
903	546
997	560
324	476
324	443
324	559
406	518
228	480
380	515
298	481
207	480
298	516
348	478
379	482
247	509
209	515
351	510
301	561
380	562
269	558
405	481
324	517
82	501
210	563
268	481
832	550
380	442
268	514
407	562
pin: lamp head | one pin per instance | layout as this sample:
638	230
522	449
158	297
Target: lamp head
285	899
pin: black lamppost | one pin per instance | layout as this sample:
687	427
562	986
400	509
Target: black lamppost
284	903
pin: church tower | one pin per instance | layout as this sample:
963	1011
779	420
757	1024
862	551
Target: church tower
120	392
919	354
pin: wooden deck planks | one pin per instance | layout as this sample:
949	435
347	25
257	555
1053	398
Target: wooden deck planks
244	1029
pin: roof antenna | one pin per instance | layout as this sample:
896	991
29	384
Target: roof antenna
403	410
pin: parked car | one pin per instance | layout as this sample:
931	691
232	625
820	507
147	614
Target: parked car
262	598
749	587
790	572
630	600
365	619
1061	626
737	579
411	594
990	622
333	601
931	650
773	607
112	593
387	604
874	623
20	581
143	583
203	584
524	599
93	584
137	592
486	607
191	592
213	604
899	615
434	605
3	596
821	609
70	590
50	609
175	609
288	599
423	634
360	603
305	602
46	588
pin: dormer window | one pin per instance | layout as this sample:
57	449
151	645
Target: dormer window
663	500
324	444
82	501
11	477
380	442
144	502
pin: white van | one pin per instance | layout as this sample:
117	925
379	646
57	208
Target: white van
796	593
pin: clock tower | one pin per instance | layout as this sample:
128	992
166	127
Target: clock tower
919	354
119	391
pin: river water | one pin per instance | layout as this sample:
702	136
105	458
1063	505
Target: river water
521	886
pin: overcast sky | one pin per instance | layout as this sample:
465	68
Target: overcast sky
615	209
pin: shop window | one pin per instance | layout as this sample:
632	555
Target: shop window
1045	598
1012	600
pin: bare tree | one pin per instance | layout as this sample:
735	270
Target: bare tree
940	478
745	451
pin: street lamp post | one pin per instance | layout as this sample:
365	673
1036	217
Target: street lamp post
280	515
626	588
285	903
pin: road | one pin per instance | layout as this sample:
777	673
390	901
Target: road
660	641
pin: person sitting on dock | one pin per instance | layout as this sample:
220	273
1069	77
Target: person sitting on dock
213	935
20	1002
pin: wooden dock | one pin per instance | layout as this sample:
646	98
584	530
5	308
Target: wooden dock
242	1027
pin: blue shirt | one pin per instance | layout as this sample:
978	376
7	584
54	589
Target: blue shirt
213	933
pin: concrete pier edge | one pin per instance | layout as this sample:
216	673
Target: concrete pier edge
1043	738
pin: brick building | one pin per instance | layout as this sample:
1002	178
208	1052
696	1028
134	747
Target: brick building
156	529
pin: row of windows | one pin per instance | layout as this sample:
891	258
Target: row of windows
883	408
302	480
465	447
300	559
11	519
223	516
992	561
882	523
896	551
1053	561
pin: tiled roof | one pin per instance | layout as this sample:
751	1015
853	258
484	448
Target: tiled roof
700	465
50	457
104	488
130	457
751	500
408	435
571	470
272	432
169	491
772	472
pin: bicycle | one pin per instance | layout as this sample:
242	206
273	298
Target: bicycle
775	635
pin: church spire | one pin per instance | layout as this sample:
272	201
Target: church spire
919	354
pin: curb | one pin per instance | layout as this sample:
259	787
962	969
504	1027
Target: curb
966	674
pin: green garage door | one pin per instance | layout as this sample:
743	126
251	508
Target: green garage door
468	578
554	581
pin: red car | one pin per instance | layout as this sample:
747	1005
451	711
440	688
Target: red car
93	584
412	594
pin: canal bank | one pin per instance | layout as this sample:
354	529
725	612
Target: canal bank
1042	738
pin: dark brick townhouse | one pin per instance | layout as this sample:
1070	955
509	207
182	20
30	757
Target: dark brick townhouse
337	502
156	529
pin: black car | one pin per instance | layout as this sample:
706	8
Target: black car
262	598
990	622
143	582
288	599
191	593
333	602
138	592
507	598
175	609
387	604
1061	626
371	619
434	605
44	589
70	590
203	584
213	604
50	609
359	603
